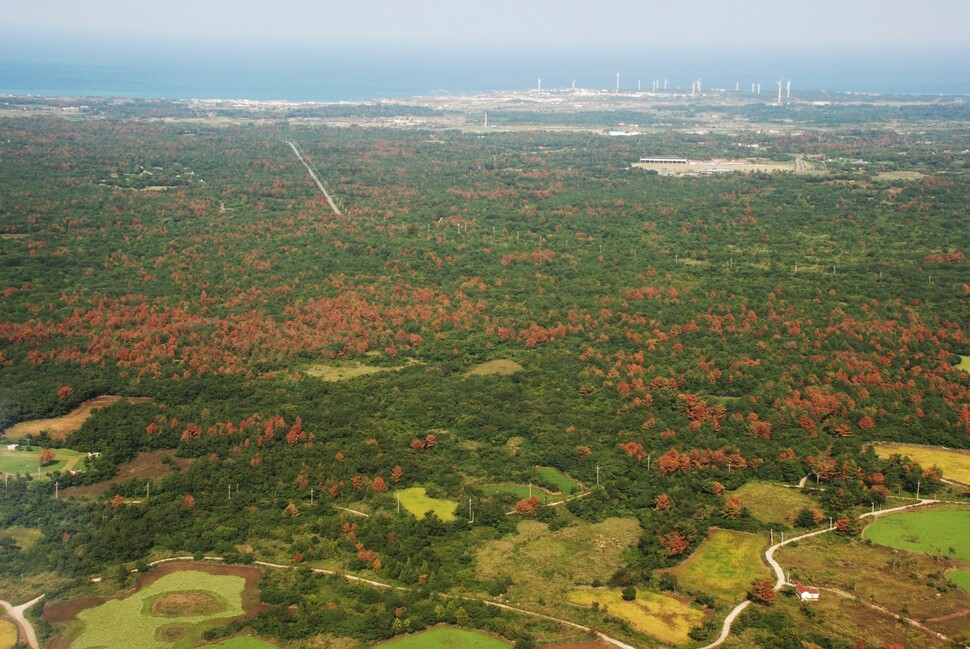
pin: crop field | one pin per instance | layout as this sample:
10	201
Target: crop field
446	638
28	461
8	634
417	501
666	618
773	503
544	565
725	564
885	576
170	612
936	532
145	466
954	463
60	427
556	477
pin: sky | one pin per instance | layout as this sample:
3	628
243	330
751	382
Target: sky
554	25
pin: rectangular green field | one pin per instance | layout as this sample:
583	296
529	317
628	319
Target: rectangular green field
771	503
563	482
417	501
725	564
954	463
519	491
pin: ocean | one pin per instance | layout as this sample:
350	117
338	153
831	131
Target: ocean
334	75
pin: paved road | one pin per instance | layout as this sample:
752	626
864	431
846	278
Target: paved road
333	206
26	628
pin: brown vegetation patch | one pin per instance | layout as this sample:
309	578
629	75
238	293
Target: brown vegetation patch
502	367
184	604
145	466
60	427
171	632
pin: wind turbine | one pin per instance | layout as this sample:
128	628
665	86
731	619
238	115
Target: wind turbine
539	87
618	82
788	90
779	92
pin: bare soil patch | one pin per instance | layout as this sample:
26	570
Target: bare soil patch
171	632
185	603
501	366
60	427
145	466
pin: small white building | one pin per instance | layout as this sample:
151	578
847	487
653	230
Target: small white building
13	447
805	593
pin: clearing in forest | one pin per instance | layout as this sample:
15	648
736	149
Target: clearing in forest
150	465
559	479
27	461
541	565
954	463
893	579
771	503
669	619
724	565
501	366
243	642
938	532
417	501
60	427
965	364
24	537
444	638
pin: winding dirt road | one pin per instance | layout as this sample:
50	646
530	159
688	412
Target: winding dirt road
26	628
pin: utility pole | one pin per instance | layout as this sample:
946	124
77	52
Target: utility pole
772	532
917	489
311	495
597	475
648	462
148	487
56	487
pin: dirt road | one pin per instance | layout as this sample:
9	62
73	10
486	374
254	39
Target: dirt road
26	628
333	206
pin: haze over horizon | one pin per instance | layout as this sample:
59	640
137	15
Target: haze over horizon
753	25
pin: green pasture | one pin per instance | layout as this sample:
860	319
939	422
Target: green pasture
771	503
664	617
937	532
417	501
964	363
446	638
563	482
961	578
724	565
133	622
243	642
24	537
27	460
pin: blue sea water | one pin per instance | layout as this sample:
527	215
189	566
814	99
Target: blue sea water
330	75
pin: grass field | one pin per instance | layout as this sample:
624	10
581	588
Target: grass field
350	370
954	463
773	503
243	642
519	491
943	532
542	565
8	634
162	614
664	617
890	578
563	482
24	537
724	565
961	578
446	638
964	364
28	461
60	427
417	501
501	367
